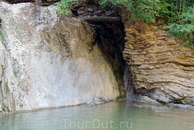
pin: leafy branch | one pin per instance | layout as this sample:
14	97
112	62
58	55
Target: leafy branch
64	5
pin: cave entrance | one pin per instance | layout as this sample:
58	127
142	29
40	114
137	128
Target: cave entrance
110	39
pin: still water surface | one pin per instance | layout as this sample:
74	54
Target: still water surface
111	116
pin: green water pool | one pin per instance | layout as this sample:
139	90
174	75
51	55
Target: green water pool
114	115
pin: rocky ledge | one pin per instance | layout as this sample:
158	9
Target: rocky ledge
161	68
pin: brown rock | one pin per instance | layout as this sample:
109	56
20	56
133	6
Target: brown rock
161	68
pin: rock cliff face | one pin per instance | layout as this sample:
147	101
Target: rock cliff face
49	60
161	68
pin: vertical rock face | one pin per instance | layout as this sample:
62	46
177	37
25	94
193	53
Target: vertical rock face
161	68
49	61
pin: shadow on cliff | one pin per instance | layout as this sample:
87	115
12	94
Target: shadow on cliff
110	39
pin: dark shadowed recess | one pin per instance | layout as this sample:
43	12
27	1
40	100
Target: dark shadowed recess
110	36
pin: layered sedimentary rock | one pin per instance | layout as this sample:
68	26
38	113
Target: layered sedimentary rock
48	60
161	68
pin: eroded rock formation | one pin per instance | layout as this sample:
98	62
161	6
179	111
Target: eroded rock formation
48	60
161	68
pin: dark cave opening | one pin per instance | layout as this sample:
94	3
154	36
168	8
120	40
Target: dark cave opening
111	40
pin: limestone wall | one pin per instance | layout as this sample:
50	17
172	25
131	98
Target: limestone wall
161	68
47	60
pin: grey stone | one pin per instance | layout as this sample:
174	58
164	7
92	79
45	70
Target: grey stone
106	99
98	101
180	106
90	104
145	99
48	60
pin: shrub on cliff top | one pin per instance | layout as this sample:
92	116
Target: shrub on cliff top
179	14
63	5
142	9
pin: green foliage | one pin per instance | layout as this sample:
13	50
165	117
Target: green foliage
63	5
179	18
186	27
183	28
188	44
167	11
145	10
187	16
181	31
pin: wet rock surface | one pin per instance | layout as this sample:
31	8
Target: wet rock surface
180	106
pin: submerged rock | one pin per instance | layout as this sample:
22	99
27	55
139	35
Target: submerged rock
90	104
98	101
47	60
180	106
106	99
